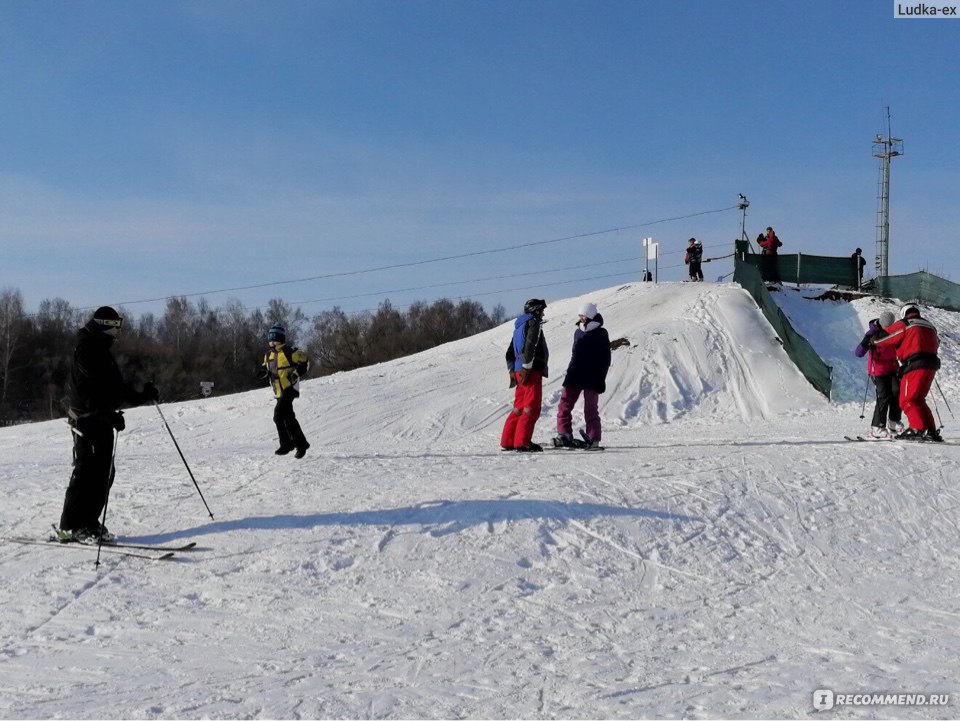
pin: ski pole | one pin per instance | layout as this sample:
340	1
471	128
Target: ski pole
936	407
106	501
944	397
866	385
157	405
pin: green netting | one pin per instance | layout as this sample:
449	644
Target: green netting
803	268
919	287
797	347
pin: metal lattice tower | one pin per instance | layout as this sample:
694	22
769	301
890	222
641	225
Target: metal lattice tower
885	148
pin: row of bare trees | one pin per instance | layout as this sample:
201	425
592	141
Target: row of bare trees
193	342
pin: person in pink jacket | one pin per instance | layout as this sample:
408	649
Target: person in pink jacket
882	367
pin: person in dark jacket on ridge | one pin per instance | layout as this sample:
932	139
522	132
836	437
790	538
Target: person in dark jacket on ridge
859	263
527	357
587	375
694	260
882	368
917	344
97	391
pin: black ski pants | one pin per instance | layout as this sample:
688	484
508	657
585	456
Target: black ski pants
888	400
695	270
770	267
93	472
288	427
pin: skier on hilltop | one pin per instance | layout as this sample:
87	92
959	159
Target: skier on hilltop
526	357
694	259
97	390
917	343
769	245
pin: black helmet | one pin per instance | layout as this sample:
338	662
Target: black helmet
535	306
106	318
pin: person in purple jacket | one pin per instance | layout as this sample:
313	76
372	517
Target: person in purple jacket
882	367
586	375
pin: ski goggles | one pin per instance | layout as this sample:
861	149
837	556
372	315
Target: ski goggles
110	323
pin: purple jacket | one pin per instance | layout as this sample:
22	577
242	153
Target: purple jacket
880	360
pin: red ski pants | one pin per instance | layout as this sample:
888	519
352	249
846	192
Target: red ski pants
914	387
518	429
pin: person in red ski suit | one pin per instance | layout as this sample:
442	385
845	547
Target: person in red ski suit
769	244
882	368
917	344
526	357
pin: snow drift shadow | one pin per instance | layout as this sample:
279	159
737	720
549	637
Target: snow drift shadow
446	516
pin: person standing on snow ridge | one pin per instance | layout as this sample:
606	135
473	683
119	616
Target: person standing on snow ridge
882	368
859	263
586	374
917	343
97	390
284	365
770	269
694	258
527	358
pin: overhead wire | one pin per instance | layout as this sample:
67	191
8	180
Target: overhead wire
425	261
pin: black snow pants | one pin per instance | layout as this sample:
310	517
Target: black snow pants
888	400
93	472
288	427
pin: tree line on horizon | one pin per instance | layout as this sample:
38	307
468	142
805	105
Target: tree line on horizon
193	343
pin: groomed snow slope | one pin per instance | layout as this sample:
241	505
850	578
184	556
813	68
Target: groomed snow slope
726	556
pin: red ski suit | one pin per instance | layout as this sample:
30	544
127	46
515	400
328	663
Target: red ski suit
917	343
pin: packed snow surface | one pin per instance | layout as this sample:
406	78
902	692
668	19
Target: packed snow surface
727	555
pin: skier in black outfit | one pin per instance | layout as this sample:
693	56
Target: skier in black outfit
97	392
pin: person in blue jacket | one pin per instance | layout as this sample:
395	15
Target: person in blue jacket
526	357
586	375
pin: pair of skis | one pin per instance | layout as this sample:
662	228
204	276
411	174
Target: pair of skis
132	550
899	440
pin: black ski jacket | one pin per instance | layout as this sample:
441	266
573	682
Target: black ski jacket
97	387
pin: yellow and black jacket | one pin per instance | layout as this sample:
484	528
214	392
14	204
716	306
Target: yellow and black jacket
284	366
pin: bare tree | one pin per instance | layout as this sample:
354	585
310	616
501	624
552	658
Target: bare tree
11	328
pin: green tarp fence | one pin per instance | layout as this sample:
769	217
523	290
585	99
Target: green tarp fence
803	268
919	287
797	347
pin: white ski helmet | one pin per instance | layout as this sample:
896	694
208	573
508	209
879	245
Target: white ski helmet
908	309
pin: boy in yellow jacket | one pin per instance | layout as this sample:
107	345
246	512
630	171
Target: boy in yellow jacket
283	365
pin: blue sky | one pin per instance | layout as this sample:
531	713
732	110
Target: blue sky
150	149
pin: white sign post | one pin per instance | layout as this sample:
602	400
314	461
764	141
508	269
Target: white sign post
205	388
652	253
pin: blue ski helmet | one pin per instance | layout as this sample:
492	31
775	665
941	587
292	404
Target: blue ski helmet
277	333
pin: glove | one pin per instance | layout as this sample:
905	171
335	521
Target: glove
263	374
150	392
117	421
618	343
522	376
513	379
